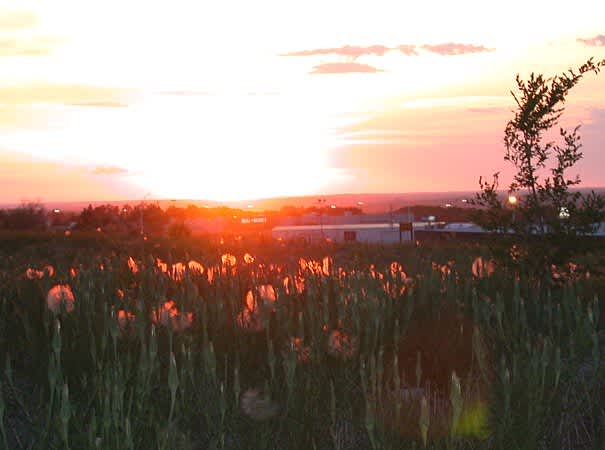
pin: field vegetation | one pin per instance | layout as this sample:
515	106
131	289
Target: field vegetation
119	343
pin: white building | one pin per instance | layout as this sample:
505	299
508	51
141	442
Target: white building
356	232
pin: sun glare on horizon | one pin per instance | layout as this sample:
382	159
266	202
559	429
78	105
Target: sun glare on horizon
239	101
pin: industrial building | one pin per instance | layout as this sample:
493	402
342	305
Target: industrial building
350	232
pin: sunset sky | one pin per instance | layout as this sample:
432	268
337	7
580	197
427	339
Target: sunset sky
225	100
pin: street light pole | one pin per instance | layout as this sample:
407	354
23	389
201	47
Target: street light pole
321	201
512	201
141	212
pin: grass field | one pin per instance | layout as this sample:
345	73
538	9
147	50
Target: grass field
111	343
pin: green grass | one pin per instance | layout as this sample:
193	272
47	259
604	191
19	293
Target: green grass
526	352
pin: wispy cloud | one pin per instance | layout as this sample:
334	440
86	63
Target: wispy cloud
109	170
100	104
16	38
30	105
597	41
195	93
349	51
13	19
488	110
418	121
451	49
39	46
353	51
27	176
184	93
477	102
344	67
64	94
408	50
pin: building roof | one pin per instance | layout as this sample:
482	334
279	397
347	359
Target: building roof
466	227
344	226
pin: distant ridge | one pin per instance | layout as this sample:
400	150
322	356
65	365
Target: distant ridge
370	203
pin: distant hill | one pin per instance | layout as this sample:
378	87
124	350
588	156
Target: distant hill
369	203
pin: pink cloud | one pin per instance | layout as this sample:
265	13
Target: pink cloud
350	51
597	41
353	51
344	67
451	49
408	50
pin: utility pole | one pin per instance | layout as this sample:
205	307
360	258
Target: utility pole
322	202
141	211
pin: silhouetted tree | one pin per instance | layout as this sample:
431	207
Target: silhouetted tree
100	216
546	212
29	216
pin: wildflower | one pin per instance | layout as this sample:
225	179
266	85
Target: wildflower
445	270
266	298
73	272
287	283
210	273
248	258
177	271
257	405
482	268
161	265
373	271
32	274
251	317
315	267
267	294
250	321
296	345
395	268
228	260
120	293
555	272
169	316
132	265
124	318
326	265
299	283
49	270
195	266
60	294
342	345
67	233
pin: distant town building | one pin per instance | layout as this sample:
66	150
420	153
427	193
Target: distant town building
348	232
342	219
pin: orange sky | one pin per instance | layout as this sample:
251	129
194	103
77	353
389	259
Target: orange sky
237	99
